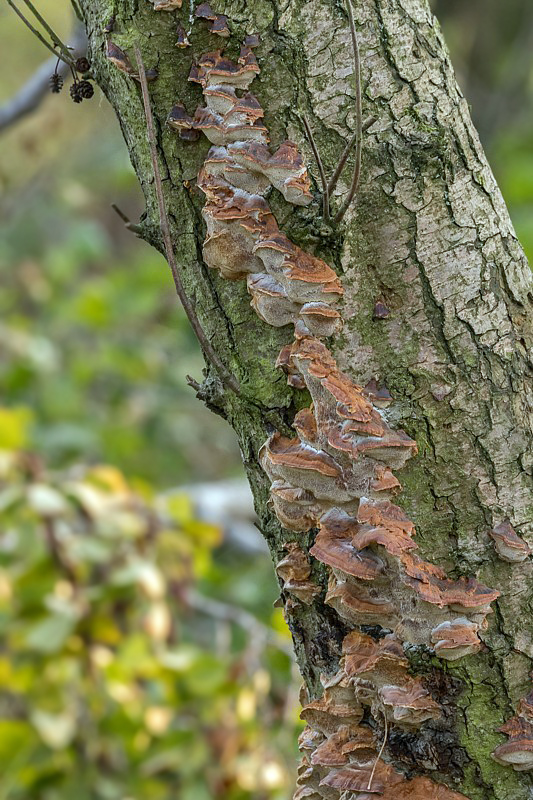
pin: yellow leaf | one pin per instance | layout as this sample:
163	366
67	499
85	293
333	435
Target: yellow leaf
277	621
180	508
108	478
14	424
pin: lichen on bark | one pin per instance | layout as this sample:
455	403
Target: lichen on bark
431	238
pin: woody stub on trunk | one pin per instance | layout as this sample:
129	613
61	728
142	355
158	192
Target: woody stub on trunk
373	355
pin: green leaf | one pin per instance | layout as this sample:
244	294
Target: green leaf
50	635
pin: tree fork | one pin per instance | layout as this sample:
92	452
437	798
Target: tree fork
430	243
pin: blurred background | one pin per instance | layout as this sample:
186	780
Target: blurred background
141	657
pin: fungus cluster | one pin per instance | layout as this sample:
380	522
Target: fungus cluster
337	473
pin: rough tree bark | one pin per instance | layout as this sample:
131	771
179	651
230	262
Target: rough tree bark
430	238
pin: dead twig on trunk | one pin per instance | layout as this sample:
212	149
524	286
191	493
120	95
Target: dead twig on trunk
356	139
325	190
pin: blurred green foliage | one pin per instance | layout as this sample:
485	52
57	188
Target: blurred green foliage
92	337
119	677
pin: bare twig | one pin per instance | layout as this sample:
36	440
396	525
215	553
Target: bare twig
227	378
228	613
131	226
39	35
50	31
358	119
30	96
77	10
325	191
345	153
382	748
193	383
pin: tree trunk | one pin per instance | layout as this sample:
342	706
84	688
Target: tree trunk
437	307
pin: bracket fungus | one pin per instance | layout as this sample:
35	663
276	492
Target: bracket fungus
118	58
183	39
509	546
295	571
517	752
178	119
457	639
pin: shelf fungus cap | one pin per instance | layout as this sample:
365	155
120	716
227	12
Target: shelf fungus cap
118	57
385	480
204	11
287	172
394	448
215	69
219	26
358	605
320	318
252	40
247	105
363	656
385	524
432	585
284	452
456	639
380	396
525	707
421	788
296	508
358	778
284	362
182	40
270	301
410	704
333	547
335	707
178	119
305	425
310	739
335	750
220	99
509	546
518	751
220	132
305	466
295	566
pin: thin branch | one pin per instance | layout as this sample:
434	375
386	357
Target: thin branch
228	613
77	10
36	33
358	118
345	153
30	96
193	383
131	226
50	31
227	378
325	191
